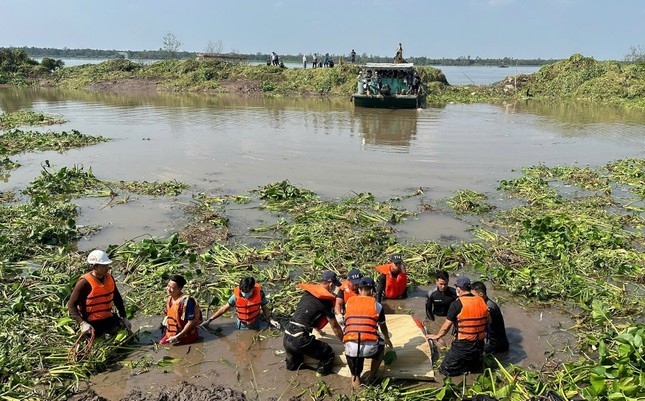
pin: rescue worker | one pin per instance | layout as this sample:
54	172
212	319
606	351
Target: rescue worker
468	316
249	300
362	340
439	300
93	297
393	281
314	310
496	340
348	289
183	315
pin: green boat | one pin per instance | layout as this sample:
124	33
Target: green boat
389	85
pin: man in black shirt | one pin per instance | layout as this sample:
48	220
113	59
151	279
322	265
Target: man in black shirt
315	310
496	340
467	316
438	301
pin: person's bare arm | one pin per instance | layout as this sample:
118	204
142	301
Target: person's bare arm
442	331
81	290
336	328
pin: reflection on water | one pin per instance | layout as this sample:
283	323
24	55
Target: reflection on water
389	128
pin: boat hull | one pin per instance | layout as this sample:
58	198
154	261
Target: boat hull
388	102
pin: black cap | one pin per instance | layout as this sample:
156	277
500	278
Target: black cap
396	258
366	282
463	282
354	276
330	276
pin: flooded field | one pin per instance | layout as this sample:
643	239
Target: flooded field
231	145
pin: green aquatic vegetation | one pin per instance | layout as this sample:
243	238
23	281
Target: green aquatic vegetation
8	164
630	172
166	188
28	117
467	201
534	189
16	141
7	196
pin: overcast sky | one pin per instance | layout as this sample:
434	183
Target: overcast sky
433	28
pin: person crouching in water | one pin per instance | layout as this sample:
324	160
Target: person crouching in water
183	315
248	299
362	317
94	296
315	310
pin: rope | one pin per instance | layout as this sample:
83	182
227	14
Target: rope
78	353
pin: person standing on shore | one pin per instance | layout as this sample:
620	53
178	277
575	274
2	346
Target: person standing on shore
304	61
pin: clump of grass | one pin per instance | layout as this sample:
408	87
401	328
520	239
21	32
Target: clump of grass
467	201
17	141
28	117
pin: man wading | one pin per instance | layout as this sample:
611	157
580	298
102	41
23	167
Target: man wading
182	314
393	281
315	310
94	295
469	315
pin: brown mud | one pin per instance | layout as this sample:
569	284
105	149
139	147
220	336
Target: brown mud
182	392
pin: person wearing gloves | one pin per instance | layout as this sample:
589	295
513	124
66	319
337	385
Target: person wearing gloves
363	316
248	299
94	296
183	315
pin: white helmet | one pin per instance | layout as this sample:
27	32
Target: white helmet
98	257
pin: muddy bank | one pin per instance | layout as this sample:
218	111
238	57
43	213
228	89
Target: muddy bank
182	392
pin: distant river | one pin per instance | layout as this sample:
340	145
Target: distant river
456	75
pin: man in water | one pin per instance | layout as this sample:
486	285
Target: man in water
496	340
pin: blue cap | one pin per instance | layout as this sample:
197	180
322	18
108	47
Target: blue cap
354	276
396	258
463	282
330	276
366	282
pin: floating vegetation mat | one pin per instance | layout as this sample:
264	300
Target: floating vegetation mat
28	117
575	241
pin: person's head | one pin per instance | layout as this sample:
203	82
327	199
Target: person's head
354	277
397	262
366	286
175	284
442	280
246	286
329	280
479	288
99	262
462	284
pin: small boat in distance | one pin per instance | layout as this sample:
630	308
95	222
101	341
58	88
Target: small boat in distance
389	85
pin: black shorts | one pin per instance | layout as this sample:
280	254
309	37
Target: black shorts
108	325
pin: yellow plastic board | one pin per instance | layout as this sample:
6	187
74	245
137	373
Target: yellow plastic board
413	352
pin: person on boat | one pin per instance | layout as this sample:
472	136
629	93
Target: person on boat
249	300
496	339
182	314
468	316
94	296
347	289
393	281
398	59
314	310
416	81
362	340
439	300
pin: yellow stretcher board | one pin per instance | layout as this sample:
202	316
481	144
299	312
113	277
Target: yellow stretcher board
413	354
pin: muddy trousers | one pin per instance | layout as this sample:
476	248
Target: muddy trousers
463	356
297	347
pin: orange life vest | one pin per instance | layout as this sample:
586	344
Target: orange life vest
361	319
321	293
347	291
472	320
176	313
394	286
248	310
98	304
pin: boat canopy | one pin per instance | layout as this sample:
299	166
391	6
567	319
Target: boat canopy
389	66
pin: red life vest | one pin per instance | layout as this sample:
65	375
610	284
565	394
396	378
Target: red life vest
321	293
394	286
361	319
176	313
248	310
98	304
347	291
472	320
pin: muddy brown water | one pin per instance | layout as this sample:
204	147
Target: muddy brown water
231	144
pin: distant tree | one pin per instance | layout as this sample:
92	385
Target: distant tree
170	43
214	47
635	55
51	64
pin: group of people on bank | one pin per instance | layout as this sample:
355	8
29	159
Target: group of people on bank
352	309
